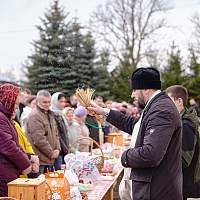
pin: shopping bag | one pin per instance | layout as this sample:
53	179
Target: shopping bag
57	186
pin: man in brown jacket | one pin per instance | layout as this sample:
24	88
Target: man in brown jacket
42	132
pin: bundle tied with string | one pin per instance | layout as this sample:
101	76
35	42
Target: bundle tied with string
85	98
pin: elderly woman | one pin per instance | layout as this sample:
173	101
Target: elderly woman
82	130
68	113
57	106
13	160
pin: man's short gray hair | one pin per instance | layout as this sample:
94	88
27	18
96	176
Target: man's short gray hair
43	93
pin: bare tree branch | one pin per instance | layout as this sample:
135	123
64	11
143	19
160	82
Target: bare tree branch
126	25
196	33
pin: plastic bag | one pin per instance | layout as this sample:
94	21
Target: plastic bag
58	187
71	177
73	181
75	193
83	167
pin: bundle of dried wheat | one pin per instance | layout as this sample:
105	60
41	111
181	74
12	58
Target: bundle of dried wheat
84	98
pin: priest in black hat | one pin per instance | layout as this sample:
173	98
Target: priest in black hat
154	157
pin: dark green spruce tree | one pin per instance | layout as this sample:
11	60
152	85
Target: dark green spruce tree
120	82
101	79
89	71
82	55
193	76
173	72
64	58
50	64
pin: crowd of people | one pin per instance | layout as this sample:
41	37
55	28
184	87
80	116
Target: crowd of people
36	132
163	161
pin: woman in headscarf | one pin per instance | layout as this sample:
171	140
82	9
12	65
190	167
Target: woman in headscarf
68	113
83	131
13	160
57	105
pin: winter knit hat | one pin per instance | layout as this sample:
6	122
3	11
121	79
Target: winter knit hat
146	78
8	96
80	111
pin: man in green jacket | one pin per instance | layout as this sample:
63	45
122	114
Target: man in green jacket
190	142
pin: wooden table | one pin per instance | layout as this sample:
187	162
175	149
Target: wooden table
103	190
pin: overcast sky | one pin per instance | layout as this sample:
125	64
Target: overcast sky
19	17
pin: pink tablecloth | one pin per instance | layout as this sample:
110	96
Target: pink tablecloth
100	189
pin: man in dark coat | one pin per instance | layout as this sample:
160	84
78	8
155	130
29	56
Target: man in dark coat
190	142
194	106
155	159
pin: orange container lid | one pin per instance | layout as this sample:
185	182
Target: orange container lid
115	134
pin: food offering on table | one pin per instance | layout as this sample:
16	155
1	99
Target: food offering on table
82	165
116	152
84	196
112	161
85	97
85	187
96	159
108	166
81	172
110	150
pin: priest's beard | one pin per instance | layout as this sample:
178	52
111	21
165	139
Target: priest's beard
141	101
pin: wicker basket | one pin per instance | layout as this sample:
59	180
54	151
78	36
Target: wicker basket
98	160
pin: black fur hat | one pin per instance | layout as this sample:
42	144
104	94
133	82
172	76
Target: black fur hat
146	78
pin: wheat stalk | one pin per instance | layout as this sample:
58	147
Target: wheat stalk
84	98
